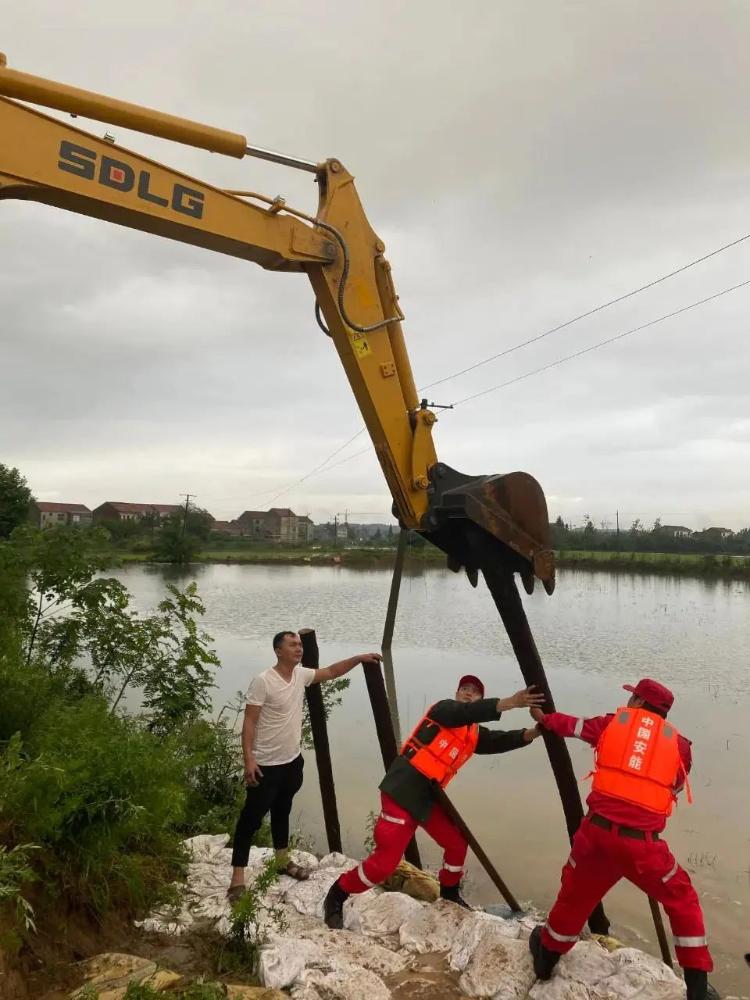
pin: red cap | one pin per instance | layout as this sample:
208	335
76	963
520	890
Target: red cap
653	692
471	679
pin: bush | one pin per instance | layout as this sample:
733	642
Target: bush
15	873
102	798
212	760
251	920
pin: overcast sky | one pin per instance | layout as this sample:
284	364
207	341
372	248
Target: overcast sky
523	162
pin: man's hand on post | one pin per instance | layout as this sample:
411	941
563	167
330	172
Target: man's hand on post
536	714
253	773
526	698
370	658
529	735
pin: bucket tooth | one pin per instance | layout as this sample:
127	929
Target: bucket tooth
510	509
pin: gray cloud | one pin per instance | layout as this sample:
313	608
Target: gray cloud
522	162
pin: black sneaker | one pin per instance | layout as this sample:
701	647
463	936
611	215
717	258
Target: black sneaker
333	907
451	893
544	959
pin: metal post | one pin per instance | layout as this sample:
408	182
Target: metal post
661	934
390	621
386	737
310	658
502	587
473	843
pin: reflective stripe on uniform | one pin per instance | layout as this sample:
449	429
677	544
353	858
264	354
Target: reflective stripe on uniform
393	819
365	879
690	942
560	937
578	728
453	868
572	861
669	875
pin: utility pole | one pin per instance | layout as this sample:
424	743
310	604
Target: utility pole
617	514
188	497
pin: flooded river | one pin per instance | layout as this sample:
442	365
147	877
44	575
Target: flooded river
595	633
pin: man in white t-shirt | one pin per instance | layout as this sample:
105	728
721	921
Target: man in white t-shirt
271	738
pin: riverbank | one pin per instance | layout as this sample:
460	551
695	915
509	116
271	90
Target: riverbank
661	563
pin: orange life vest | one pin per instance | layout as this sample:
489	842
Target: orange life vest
438	752
638	760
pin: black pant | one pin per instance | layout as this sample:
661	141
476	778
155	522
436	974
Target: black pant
274	793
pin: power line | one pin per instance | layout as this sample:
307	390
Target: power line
585	315
601	343
319	468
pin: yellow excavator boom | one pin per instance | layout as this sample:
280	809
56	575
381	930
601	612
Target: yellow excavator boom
47	160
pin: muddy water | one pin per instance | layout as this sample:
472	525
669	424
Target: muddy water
597	632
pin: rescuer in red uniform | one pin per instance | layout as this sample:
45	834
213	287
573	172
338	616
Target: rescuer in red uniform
442	742
642	762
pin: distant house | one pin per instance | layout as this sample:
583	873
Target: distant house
255	524
226	527
44	514
304	529
675	530
279	524
716	534
113	510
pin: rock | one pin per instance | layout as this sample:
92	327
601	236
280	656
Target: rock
162	979
559	988
414	882
336	860
205	847
587	962
610	943
282	961
241	992
477	932
380	914
307	897
341	984
501	968
639	976
342	948
169	921
113	971
434	927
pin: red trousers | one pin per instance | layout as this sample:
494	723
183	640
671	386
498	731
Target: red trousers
393	831
598	860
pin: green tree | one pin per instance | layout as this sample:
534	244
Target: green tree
180	537
15	500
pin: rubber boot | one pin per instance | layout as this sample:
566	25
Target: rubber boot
544	959
451	893
333	907
698	986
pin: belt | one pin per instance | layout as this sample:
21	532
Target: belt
622	831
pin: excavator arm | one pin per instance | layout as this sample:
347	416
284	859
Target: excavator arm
497	524
47	160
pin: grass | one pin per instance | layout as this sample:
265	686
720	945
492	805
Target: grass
663	563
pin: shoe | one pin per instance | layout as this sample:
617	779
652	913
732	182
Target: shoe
698	986
333	907
544	959
451	893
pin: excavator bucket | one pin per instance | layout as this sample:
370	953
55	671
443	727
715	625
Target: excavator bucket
469	515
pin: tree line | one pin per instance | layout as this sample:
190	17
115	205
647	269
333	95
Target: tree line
639	538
